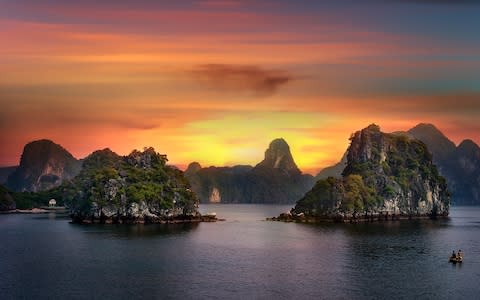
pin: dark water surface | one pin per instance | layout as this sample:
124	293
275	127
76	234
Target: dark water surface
44	256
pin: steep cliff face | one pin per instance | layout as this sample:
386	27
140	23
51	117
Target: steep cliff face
43	165
136	188
276	179
460	165
385	174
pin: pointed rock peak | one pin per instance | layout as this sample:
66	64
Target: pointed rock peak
41	150
426	129
468	144
43	165
148	158
279	143
371	130
193	167
428	126
372	127
469	148
103	152
278	156
104	157
44	143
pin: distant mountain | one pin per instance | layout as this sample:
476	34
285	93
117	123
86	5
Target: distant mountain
5	172
464	172
386	175
438	144
276	179
279	158
43	165
459	165
333	171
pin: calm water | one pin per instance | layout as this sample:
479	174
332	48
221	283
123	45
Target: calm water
44	256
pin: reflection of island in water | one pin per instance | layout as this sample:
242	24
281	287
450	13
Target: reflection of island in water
131	231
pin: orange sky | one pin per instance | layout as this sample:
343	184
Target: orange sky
216	81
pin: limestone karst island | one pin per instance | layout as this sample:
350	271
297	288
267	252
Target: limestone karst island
386	177
382	176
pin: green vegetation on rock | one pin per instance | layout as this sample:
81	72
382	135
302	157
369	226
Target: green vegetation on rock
137	187
385	173
6	199
460	165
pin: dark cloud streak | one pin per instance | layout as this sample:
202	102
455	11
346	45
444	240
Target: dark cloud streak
242	78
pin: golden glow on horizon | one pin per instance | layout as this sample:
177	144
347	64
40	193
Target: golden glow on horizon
216	86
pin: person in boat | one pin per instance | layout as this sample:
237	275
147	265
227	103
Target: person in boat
459	254
454	255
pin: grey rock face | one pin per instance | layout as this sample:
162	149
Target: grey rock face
136	188
459	165
43	165
278	157
385	174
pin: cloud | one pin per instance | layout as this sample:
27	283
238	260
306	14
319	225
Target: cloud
224	4
251	79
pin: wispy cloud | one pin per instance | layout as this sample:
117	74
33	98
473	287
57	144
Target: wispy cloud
252	79
221	4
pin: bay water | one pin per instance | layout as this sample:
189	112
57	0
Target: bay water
245	257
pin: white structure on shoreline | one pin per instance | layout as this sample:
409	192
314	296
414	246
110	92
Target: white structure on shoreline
52	203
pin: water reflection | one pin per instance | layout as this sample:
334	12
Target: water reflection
397	254
132	231
241	258
52	215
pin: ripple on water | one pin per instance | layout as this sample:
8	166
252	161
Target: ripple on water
244	257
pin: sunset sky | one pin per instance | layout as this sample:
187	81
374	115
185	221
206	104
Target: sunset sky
215	81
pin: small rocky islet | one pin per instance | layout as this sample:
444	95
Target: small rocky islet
386	177
137	188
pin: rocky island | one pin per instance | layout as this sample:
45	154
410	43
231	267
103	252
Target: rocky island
137	188
386	177
101	188
459	164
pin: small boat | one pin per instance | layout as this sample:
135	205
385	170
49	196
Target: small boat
456	259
